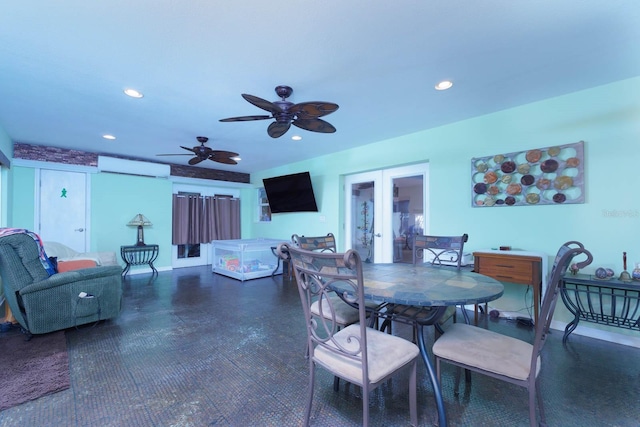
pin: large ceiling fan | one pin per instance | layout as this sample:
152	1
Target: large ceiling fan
305	115
203	153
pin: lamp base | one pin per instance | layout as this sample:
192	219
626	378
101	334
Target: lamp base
140	241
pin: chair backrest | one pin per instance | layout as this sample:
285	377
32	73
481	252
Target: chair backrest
441	250
563	259
319	243
20	266
316	272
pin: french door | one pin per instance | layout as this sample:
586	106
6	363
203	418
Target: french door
383	209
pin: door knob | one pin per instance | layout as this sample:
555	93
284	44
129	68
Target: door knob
378	235
79	229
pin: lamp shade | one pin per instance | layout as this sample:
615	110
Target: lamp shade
139	220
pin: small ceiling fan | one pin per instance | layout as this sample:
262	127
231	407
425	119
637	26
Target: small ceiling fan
305	115
203	153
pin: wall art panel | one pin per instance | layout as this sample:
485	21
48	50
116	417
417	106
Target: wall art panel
541	176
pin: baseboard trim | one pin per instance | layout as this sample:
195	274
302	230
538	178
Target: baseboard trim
610	336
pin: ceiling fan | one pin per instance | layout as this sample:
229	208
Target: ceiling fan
203	153
305	115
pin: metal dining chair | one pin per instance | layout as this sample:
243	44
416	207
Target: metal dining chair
345	314
356	353
504	357
436	251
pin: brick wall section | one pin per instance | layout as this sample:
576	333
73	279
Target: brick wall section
54	154
43	153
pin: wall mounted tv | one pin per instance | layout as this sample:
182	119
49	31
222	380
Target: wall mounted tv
290	193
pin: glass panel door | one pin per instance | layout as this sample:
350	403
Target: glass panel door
363	214
408	215
383	210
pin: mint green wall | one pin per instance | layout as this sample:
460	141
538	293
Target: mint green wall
6	147
116	199
607	118
22	197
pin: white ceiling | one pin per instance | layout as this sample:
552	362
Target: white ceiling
65	63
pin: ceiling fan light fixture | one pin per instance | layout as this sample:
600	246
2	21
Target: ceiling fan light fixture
108	136
133	93
236	158
444	85
296	138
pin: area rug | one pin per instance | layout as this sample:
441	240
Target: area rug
31	369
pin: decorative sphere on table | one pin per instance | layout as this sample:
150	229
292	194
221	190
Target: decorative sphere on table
610	272
601	273
635	274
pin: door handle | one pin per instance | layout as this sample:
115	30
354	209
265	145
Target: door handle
378	235
79	229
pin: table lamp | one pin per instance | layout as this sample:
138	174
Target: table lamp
140	221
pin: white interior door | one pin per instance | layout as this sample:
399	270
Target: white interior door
63	208
369	210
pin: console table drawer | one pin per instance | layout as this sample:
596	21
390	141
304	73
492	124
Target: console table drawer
505	269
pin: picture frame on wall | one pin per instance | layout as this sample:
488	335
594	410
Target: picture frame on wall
540	176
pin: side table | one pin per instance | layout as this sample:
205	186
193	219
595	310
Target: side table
518	267
607	302
138	255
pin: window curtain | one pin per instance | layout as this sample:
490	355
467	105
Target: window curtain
187	213
198	219
221	218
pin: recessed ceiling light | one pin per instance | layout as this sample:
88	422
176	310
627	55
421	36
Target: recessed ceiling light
296	137
444	85
107	136
133	93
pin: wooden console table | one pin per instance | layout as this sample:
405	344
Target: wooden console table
607	302
138	255
513	267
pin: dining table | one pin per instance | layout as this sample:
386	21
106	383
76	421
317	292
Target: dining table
432	287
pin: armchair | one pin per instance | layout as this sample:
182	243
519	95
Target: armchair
42	303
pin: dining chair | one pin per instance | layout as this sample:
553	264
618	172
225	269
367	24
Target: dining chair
345	314
435	251
356	353
504	357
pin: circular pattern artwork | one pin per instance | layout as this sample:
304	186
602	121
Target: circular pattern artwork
542	176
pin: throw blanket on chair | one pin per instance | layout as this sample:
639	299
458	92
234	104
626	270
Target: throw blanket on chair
44	259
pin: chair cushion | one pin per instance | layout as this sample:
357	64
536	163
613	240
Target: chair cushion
487	350
386	354
345	314
75	265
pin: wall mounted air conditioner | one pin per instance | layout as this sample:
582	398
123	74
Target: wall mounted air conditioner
133	167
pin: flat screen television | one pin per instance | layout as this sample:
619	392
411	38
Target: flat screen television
290	193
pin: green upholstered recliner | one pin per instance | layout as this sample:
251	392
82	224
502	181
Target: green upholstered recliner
43	303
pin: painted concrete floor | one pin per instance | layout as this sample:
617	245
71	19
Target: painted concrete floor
192	348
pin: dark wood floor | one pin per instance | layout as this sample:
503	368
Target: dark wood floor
196	349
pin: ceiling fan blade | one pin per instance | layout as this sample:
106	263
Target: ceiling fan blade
222	153
193	150
314	125
262	103
277	129
223	159
314	109
196	160
245	118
